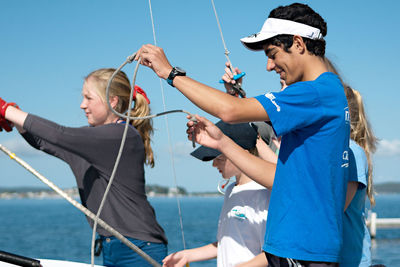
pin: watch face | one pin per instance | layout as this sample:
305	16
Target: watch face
179	70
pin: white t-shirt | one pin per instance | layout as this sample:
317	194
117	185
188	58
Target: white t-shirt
241	225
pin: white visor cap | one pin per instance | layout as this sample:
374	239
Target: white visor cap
273	27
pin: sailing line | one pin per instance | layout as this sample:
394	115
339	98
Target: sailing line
169	136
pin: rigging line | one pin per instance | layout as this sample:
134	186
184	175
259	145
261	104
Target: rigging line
222	36
130	59
79	206
169	137
103	200
127	117
237	87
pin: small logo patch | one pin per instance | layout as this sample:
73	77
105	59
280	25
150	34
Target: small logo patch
347	115
345	159
271	97
238	214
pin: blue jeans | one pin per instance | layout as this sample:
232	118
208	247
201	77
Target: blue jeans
116	253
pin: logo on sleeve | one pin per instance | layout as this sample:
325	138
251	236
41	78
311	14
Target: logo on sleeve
271	97
347	115
345	158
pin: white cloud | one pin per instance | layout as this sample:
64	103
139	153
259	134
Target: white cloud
388	148
19	146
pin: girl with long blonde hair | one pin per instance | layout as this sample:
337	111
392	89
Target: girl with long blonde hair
361	133
356	250
90	151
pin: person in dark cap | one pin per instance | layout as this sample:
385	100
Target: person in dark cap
241	225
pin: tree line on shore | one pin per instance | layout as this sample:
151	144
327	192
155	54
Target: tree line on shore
382	188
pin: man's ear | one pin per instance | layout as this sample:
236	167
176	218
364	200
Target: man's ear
298	44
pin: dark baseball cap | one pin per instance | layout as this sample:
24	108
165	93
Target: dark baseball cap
241	133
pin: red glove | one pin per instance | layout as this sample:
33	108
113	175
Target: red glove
3	107
6	125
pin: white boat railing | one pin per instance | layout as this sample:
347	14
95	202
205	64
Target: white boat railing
374	222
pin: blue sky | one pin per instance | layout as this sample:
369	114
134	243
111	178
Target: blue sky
47	47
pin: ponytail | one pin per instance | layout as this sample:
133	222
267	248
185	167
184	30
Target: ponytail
144	127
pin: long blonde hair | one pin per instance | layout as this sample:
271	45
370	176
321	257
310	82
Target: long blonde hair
360	128
121	88
361	132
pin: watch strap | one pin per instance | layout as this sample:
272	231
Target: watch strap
175	72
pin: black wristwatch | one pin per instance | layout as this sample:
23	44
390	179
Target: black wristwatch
176	71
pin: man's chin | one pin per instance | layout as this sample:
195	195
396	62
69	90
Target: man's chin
289	82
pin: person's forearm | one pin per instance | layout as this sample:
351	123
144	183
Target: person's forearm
220	104
203	253
351	192
257	169
17	117
258	261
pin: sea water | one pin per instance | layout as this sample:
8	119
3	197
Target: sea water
54	229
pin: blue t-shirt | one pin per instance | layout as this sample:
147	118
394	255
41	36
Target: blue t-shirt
356	250
306	207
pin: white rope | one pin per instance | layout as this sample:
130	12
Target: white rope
128	117
222	36
79	206
169	137
124	116
237	87
103	200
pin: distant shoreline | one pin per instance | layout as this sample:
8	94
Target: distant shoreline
151	191
7	196
45	193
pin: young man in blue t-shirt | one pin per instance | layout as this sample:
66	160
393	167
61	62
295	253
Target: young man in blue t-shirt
304	224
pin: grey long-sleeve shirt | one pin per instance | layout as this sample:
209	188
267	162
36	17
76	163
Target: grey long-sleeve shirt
91	152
